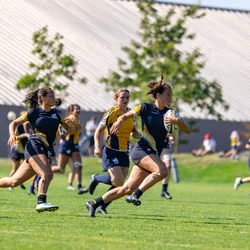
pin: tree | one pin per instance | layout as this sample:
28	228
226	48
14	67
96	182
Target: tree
53	68
159	52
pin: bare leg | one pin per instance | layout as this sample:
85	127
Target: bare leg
71	175
77	166
157	167
62	162
41	166
15	166
23	173
118	175
135	179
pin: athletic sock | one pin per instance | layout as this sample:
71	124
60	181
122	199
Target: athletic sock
97	202
138	193
164	187
79	186
42	198
105	178
107	204
32	188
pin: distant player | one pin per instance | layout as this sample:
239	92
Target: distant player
69	149
44	121
239	181
17	150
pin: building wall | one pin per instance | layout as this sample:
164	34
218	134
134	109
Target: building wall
220	130
4	124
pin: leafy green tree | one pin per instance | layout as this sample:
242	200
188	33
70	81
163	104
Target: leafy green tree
159	52
53	68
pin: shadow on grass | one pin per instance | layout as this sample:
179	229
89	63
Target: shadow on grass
213	203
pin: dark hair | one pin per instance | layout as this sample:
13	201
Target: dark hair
157	87
72	107
33	99
58	102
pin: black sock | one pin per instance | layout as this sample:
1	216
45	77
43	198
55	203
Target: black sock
97	202
107	204
164	187
138	193
41	198
105	178
79	186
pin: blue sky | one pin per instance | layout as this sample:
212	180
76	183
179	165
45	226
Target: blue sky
231	4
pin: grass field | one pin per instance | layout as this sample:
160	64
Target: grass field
205	213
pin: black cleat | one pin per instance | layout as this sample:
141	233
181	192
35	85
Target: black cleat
82	190
166	195
90	208
101	210
93	183
133	199
22	187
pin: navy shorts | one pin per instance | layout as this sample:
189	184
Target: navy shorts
112	158
167	144
68	147
91	141
34	147
141	150
15	155
52	152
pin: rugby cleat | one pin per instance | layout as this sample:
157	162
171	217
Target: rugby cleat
237	183
93	183
101	210
82	190
90	208
133	199
22	187
70	187
42	207
166	195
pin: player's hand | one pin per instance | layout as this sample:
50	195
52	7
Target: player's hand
170	119
12	140
115	127
98	152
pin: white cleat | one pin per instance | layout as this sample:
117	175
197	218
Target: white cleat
237	183
46	207
70	187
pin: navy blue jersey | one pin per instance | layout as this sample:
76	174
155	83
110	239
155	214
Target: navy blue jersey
19	131
153	130
45	124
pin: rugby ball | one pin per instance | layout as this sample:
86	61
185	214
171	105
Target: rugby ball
171	129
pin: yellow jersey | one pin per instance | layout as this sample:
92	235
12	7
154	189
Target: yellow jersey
120	140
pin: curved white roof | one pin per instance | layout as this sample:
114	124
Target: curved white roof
95	30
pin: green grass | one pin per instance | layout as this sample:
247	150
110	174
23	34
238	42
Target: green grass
205	213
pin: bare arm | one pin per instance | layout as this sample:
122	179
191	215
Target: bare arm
178	121
12	128
135	133
120	120
68	124
97	138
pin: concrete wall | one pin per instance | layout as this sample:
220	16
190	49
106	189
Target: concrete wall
220	130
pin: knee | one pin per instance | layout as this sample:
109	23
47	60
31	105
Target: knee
117	182
13	183
163	172
48	176
127	190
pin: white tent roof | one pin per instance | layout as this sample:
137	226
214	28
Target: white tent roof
95	30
